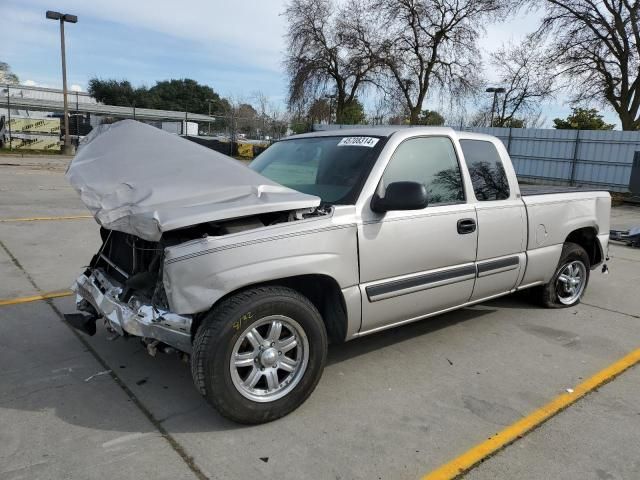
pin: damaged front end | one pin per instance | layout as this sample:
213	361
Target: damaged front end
150	190
125	283
123	286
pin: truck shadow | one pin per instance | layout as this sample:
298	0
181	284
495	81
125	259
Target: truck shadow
361	346
393	336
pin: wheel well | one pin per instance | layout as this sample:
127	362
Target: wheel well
324	292
587	238
321	290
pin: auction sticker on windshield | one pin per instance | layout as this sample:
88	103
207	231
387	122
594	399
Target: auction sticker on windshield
358	142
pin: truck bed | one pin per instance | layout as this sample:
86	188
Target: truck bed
532	190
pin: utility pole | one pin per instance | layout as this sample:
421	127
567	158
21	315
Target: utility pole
495	91
77	116
64	17
9	115
209	101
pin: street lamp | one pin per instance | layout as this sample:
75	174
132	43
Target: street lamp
495	91
210	101
64	17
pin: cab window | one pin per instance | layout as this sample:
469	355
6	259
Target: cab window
431	161
486	169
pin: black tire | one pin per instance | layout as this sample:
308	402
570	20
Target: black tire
548	294
221	329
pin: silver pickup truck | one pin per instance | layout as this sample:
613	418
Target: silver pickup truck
324	237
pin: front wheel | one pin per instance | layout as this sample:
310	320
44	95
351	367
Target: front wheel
569	280
259	354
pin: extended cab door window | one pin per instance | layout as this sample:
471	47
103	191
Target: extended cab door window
501	221
431	161
487	172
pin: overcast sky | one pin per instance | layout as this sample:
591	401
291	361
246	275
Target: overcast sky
235	47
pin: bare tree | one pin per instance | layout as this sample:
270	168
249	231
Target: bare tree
431	44
379	112
324	54
264	108
596	43
524	72
261	102
481	118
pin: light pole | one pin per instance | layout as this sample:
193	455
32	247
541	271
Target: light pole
495	91
210	101
64	17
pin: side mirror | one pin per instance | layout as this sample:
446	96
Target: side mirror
401	196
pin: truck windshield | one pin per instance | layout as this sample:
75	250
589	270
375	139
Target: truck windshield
332	168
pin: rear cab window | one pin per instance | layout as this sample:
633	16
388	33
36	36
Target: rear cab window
486	169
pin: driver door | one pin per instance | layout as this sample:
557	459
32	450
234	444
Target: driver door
415	263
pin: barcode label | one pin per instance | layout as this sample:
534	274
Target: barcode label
358	142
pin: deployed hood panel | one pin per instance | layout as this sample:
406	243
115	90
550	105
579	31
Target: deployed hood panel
138	179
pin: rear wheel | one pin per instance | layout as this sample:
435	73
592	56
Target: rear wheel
259	354
569	280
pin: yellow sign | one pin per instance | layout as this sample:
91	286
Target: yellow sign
35	125
36	143
245	150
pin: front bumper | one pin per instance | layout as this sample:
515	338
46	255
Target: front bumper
135	317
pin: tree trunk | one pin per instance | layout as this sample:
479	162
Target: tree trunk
415	115
628	122
341	100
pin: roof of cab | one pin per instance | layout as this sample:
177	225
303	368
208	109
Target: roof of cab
387	131
476	136
383	131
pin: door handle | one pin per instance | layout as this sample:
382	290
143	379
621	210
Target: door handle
466	225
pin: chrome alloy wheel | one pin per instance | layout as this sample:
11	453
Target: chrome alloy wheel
269	358
571	282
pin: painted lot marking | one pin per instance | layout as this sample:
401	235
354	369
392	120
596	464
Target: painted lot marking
40	219
510	434
35	298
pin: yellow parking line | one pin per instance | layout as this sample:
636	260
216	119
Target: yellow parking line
480	452
34	298
37	219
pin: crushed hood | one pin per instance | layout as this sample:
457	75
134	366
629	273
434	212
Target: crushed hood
138	179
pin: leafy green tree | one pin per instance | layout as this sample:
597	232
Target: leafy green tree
6	75
430	117
179	95
118	92
300	125
353	113
582	119
186	94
